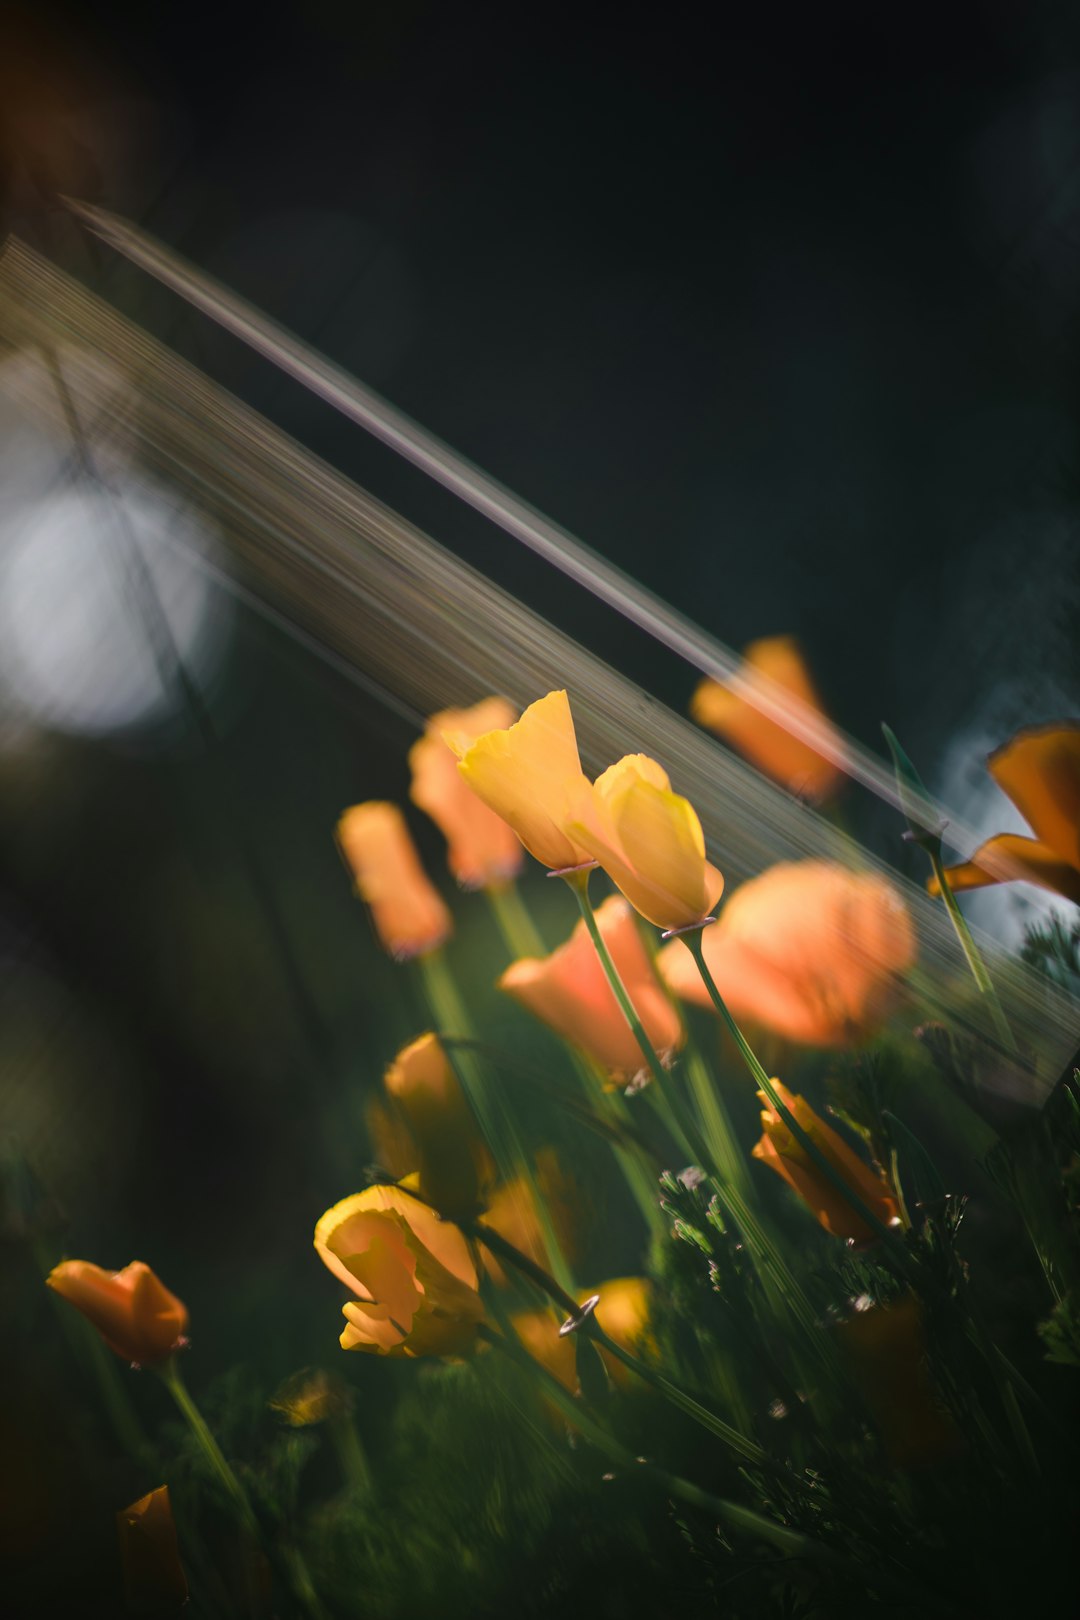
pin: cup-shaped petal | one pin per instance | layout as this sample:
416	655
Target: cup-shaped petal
451	1158
649	841
796	765
808	950
782	1151
568	990
409	915
132	1309
529	774
411	1274
154	1579
482	849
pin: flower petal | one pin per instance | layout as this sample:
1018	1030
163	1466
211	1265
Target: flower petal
1017	859
1040	771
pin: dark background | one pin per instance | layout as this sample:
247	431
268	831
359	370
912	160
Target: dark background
781	315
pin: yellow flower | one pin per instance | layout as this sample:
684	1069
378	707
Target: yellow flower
412	1275
782	1152
452	1160
886	1348
569	991
483	850
1039	769
311	1395
154	1579
766	744
649	842
512	1212
529	773
808	950
624	1313
409	915
132	1309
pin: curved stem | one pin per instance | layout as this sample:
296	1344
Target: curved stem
170	1376
520	934
973	955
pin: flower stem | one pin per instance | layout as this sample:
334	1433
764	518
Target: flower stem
170	1375
496	1123
520	934
693	943
973	955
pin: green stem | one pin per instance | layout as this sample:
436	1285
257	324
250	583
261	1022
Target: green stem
492	1115
351	1455
693	943
973	955
169	1373
520	934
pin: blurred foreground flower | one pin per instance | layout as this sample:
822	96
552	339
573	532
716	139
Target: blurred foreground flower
649	842
409	915
154	1579
886	1349
483	849
624	1314
779	1149
309	1396
568	990
766	744
132	1309
1039	769
529	774
808	950
512	1212
453	1163
412	1274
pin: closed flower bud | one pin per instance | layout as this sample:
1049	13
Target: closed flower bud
409	915
529	774
154	1579
132	1309
412	1276
781	1150
808	950
569	991
765	743
649	842
453	1163
483	850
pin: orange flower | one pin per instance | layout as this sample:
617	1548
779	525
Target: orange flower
1039	769
452	1160
511	1211
131	1309
808	950
412	1275
886	1348
623	1313
782	1152
154	1579
649	842
529	773
569	991
765	743
409	916
483	849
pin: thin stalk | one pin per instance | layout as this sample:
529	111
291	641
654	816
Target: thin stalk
973	955
520	934
171	1377
693	944
351	1456
492	1116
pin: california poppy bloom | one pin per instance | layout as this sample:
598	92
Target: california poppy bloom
624	1312
885	1346
765	743
780	1149
1039	769
409	915
649	842
529	774
451	1158
808	950
154	1579
568	990
132	1309
412	1276
482	849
